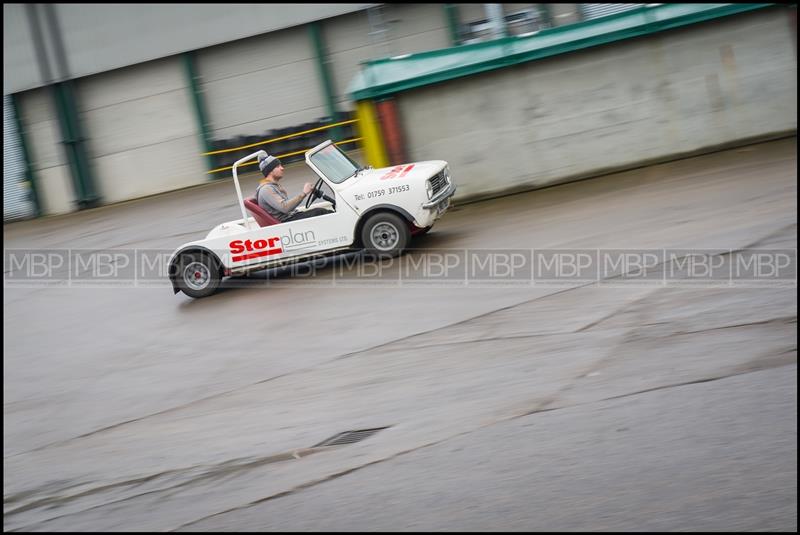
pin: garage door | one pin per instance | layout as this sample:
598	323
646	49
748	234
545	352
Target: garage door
594	11
141	129
17	195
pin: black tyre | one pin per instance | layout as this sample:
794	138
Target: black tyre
385	234
198	275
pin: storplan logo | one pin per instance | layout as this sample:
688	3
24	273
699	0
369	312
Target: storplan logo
255	248
298	240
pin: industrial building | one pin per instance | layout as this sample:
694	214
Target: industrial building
105	103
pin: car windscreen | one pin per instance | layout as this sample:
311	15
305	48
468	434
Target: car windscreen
334	164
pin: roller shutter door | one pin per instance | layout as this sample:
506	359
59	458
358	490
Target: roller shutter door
17	197
594	11
256	85
142	131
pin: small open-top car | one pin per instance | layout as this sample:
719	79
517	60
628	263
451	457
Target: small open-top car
373	209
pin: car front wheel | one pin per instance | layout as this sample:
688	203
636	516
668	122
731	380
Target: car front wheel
385	234
198	275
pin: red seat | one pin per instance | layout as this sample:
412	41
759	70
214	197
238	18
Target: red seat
262	217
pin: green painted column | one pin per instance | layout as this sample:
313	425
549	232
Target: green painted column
199	107
321	56
451	15
74	144
29	173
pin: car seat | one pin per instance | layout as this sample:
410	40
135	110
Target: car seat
262	217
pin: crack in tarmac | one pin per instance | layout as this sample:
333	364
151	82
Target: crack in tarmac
768	236
541	409
232	467
781	319
225	469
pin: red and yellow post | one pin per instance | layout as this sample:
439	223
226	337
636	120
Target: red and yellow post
370	133
392	133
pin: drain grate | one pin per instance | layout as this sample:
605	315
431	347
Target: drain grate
348	437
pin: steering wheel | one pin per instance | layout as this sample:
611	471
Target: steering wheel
318	193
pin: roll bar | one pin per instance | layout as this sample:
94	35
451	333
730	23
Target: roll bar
245	218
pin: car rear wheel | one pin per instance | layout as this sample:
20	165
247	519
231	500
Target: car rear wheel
385	234
198	275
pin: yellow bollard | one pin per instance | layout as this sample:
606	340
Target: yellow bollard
370	132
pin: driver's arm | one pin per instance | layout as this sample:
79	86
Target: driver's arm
280	204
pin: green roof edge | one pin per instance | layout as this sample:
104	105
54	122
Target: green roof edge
636	29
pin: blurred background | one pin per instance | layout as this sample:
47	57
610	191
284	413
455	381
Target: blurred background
107	103
476	407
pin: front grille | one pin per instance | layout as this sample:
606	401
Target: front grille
438	182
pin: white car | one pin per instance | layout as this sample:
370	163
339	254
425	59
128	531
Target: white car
373	209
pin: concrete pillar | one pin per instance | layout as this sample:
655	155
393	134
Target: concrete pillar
494	13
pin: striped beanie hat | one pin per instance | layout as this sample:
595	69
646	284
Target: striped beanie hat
267	163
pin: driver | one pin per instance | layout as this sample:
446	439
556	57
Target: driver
274	199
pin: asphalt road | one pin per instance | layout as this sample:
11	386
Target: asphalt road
628	405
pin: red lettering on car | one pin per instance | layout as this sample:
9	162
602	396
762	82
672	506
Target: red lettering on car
236	246
393	173
257	249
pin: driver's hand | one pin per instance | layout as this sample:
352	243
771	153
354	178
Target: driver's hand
308	188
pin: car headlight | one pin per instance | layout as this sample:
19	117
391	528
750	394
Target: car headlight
447	173
429	188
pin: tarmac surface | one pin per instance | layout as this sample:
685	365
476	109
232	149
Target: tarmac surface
624	403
